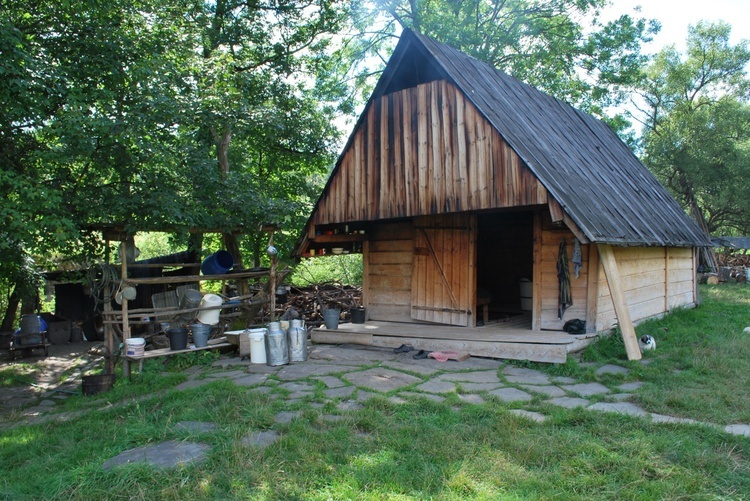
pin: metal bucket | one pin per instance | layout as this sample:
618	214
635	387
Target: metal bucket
277	352
297	343
190	299
331	318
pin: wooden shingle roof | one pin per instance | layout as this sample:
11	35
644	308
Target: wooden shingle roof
583	164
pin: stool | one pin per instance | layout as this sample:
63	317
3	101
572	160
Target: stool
484	302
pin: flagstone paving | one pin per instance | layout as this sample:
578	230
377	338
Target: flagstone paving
350	376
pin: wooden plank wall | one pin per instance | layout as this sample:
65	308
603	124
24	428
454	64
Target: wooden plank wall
549	288
388	272
655	280
422	151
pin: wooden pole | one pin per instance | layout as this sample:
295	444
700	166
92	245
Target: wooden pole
125	319
607	256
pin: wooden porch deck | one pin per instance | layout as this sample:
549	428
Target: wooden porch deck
512	339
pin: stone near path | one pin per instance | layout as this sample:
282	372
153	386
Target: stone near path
195	383
620	397
428	396
738	429
286	417
251	380
354	355
225	375
437	387
477	387
471	377
364	396
195	426
331	381
381	380
612	369
533	416
660	418
511	395
586	389
166	455
564	380
630	386
569	402
349	405
521	375
618	407
414	366
297	386
260	439
303	371
471	399
550	391
342	392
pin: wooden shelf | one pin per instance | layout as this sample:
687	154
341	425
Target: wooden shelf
195	278
163	352
330	239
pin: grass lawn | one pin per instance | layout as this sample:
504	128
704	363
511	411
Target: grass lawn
422	449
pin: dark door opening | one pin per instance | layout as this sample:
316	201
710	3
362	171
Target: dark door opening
505	256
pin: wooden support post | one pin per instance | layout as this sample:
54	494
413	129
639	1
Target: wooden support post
109	334
125	319
592	290
618	299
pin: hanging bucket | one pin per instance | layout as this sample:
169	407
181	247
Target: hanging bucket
257	346
135	346
331	318
178	337
218	263
201	333
210	316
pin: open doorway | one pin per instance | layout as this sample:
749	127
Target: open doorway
505	258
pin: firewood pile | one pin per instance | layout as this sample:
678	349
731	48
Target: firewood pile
733	260
308	302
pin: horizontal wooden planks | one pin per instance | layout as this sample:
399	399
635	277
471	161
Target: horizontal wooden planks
388	274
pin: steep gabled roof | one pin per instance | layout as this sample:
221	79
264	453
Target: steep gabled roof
583	164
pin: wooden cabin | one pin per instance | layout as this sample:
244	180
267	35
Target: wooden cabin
459	183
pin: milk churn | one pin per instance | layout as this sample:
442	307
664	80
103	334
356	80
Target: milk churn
276	346
297	342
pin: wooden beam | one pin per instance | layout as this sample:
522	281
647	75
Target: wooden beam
592	289
556	211
536	279
618	300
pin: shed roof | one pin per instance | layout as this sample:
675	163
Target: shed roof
597	180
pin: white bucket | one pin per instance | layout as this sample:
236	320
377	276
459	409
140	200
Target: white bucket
210	317
135	346
257	346
527	291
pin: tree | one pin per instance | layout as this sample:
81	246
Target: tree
696	126
542	42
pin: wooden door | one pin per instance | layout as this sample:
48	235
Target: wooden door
443	280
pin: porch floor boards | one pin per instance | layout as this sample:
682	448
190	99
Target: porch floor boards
512	339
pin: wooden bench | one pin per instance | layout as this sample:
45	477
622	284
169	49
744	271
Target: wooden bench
166	352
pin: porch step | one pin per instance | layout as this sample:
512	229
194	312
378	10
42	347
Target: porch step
480	342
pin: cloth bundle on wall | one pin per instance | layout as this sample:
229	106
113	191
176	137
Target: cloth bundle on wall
565	298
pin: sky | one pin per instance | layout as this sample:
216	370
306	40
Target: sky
676	15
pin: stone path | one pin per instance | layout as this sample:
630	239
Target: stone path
350	375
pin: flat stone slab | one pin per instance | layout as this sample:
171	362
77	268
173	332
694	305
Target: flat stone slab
349	405
331	381
260	439
618	407
620	397
195	383
522	375
381	379
511	395
297	386
550	391
661	418
437	387
195	426
471	399
630	386
533	416
303	371
166	455
344	391
564	380
477	387
350	354
428	396
472	363
416	366
612	369
569	402
251	380
227	374
364	396
586	389
286	417
471	377
738	429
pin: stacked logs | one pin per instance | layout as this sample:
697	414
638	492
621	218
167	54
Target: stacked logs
307	302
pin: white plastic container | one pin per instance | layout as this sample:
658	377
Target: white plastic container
206	316
135	346
257	346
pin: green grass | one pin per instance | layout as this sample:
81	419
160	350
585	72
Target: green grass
16	375
422	449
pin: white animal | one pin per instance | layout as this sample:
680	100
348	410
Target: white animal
647	343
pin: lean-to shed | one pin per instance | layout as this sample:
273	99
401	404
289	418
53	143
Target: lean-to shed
459	184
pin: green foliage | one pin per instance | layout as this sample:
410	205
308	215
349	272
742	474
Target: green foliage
696	135
182	361
345	269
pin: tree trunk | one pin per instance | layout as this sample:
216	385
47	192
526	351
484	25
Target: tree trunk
10	312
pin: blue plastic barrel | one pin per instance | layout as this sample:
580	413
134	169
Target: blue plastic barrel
218	263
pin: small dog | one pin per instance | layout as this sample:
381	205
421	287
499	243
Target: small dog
647	343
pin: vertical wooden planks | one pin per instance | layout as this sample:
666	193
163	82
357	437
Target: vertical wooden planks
618	298
592	289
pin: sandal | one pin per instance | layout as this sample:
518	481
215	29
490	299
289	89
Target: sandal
404	348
